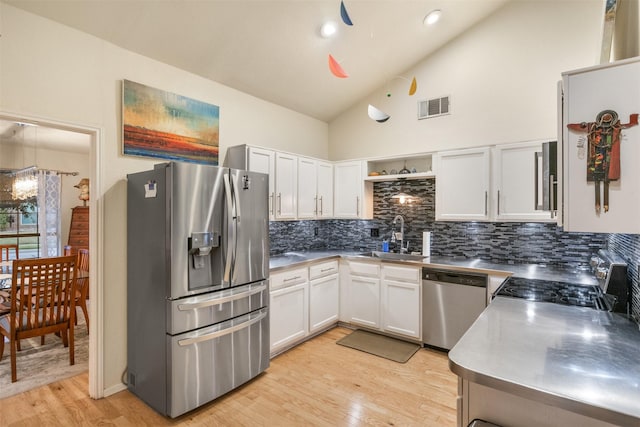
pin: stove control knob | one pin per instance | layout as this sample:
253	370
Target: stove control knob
594	261
601	273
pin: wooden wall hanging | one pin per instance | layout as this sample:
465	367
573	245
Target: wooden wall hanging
603	159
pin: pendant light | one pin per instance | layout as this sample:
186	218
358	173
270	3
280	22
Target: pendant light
25	180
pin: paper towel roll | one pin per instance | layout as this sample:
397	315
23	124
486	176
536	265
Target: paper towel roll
426	243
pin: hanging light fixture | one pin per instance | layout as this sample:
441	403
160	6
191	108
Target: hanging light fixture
25	180
403	198
25	183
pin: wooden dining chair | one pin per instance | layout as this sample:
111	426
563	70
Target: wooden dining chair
82	283
5	251
42	303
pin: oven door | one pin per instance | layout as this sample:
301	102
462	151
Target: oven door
211	361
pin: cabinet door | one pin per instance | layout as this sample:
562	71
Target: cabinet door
348	190
307	188
364	298
323	302
286	184
325	190
462	185
401	308
263	161
289	317
400	302
514	176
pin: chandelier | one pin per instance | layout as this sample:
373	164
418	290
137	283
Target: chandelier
25	184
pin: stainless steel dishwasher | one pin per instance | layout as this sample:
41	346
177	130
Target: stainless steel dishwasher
451	302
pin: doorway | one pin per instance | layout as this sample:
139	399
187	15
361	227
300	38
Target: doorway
63	149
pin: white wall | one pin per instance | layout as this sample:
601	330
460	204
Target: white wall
51	71
501	76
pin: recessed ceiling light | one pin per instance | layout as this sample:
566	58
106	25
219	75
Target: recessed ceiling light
328	29
432	17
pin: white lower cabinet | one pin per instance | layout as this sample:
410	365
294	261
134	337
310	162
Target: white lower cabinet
364	294
385	297
288	308
401	296
324	294
302	301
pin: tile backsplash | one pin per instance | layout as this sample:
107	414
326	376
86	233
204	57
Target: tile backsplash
500	242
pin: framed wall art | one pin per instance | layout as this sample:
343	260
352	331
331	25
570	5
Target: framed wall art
168	126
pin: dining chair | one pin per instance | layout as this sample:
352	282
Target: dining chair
41	303
5	250
82	283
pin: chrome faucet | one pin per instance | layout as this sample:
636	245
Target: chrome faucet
399	236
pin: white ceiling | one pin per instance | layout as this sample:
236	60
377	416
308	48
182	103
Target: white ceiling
272	49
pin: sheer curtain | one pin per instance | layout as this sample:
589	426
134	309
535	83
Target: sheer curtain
49	213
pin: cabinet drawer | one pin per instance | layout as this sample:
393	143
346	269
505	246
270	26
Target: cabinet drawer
364	269
288	278
402	274
323	269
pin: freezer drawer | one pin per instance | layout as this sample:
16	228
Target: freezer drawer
208	363
191	313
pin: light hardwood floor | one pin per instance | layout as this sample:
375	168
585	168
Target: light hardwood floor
317	383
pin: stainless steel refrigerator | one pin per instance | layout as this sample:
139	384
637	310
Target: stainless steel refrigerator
197	291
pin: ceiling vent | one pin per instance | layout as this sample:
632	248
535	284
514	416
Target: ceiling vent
433	107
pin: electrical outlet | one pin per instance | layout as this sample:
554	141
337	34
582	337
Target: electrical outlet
375	232
315	231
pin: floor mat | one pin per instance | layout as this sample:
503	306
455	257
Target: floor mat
380	345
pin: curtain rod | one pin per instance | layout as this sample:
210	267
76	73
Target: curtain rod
59	172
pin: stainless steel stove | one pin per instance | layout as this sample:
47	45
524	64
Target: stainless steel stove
612	292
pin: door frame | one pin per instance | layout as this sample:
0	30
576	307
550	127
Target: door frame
96	225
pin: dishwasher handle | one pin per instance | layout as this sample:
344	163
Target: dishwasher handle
458	278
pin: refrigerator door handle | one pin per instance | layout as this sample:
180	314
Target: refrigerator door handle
222	300
230	230
223	332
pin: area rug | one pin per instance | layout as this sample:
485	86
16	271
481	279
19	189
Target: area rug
39	365
379	345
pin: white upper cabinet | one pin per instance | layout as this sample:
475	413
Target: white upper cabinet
325	190
261	160
255	159
514	178
307	187
286	185
350	195
315	188
462	185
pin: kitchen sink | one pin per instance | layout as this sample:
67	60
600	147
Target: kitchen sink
393	256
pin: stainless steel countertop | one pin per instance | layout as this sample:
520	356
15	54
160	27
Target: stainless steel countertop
538	271
576	358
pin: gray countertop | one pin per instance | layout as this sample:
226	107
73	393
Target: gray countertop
575	358
537	271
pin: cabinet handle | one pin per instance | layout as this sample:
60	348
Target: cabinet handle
272	203
553	206
279	203
321	207
498	202
292	278
357	206
323	270
315	203
486	195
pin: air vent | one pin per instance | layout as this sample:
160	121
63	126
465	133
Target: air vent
433	107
